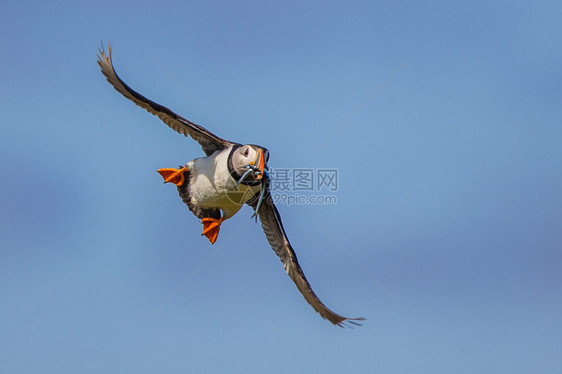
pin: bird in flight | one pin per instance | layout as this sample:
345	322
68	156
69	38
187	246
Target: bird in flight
216	187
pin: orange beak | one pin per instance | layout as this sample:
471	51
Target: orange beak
259	162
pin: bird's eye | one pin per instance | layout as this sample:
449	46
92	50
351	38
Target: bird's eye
246	151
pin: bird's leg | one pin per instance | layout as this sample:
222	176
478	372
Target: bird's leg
211	227
172	175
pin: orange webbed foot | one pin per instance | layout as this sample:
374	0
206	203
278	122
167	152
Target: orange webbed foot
211	227
172	175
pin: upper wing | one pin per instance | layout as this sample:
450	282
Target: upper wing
275	233
209	141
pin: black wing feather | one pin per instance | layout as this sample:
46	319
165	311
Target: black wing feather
277	238
209	141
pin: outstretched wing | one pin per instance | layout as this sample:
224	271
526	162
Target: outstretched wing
209	141
277	238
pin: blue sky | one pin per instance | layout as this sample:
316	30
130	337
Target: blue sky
450	180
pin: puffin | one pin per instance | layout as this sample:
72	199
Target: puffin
217	186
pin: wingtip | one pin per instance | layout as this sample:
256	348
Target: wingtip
101	49
350	322
103	58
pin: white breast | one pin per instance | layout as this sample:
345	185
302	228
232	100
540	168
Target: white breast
212	186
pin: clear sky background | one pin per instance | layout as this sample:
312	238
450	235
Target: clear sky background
449	194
